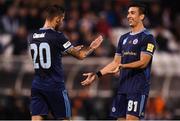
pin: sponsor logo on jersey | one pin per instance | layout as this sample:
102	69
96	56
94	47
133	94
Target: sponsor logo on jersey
42	35
135	41
67	44
129	53
150	47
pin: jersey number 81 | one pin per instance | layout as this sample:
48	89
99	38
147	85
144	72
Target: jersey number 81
44	61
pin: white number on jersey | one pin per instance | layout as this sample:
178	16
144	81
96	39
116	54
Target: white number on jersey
132	105
42	47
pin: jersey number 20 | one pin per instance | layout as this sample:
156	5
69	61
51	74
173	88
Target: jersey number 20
44	62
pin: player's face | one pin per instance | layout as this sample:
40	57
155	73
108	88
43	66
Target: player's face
134	17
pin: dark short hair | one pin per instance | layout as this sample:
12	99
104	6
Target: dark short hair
53	11
142	7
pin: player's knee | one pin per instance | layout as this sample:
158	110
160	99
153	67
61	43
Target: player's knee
37	118
64	119
121	119
131	117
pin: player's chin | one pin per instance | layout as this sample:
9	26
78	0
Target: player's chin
131	25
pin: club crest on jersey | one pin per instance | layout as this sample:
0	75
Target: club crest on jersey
135	41
113	109
124	41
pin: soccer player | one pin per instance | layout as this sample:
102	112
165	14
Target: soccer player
48	91
133	59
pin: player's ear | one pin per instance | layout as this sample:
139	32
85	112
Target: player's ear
142	16
57	20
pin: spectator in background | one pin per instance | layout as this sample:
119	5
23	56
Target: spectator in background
34	20
162	42
1	49
176	28
166	18
159	107
19	41
23	15
165	40
2	7
85	6
150	109
103	26
9	21
155	16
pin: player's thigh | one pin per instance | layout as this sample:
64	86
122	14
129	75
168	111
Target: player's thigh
59	104
136	105
119	106
38	106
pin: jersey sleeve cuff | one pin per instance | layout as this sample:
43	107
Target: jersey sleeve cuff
68	48
118	54
147	53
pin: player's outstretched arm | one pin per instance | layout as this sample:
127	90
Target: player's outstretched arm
111	68
81	53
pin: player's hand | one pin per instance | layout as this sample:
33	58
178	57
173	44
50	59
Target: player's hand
91	77
97	42
116	70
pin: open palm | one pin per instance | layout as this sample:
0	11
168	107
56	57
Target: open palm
97	42
91	77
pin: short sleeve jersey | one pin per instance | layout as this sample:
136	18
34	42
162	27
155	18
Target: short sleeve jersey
46	48
130	47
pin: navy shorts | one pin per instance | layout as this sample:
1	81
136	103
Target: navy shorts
133	104
56	102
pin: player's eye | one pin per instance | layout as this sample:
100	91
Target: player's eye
132	12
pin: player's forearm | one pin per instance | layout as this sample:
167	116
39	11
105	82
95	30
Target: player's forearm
134	65
83	53
109	68
80	54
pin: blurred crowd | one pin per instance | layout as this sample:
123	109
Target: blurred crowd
84	20
13	107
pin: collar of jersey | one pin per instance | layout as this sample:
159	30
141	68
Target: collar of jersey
137	32
46	29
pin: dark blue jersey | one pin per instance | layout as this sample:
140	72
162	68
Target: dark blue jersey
130	47
46	47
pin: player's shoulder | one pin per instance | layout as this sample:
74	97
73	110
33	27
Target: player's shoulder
147	33
30	35
124	35
51	33
147	36
58	34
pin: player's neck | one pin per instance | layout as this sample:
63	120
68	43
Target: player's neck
138	28
49	25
